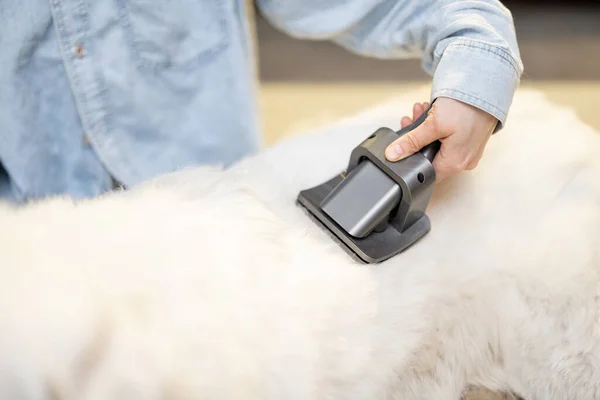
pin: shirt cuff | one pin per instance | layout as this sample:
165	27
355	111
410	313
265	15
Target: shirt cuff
479	74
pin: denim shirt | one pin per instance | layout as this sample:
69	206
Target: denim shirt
94	92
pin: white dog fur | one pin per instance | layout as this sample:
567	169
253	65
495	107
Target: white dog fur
209	284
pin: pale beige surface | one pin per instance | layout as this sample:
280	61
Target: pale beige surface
481	394
287	108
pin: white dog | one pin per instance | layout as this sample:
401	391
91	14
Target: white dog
209	284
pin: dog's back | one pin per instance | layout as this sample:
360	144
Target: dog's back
194	286
184	292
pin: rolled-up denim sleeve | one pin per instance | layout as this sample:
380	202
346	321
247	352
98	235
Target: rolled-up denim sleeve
468	47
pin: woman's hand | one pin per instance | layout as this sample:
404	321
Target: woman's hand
462	129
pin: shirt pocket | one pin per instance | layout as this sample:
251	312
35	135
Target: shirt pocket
174	34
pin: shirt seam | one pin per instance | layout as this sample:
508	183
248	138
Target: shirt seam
477	100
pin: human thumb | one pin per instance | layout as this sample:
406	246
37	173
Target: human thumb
412	141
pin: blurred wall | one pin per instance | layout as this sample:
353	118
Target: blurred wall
559	40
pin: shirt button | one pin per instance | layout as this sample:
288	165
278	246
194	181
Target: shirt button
86	140
79	50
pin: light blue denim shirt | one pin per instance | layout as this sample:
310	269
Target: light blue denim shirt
97	91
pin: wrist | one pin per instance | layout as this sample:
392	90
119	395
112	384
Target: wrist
478	74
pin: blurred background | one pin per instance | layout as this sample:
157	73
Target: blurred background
306	83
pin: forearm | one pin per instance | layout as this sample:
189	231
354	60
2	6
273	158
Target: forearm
469	47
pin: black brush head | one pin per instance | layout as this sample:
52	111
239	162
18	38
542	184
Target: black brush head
375	247
376	209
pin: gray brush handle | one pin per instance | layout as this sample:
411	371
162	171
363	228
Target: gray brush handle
431	149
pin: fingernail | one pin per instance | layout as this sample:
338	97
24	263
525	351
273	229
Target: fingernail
393	153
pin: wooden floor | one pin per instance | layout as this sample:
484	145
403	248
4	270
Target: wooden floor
287	108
